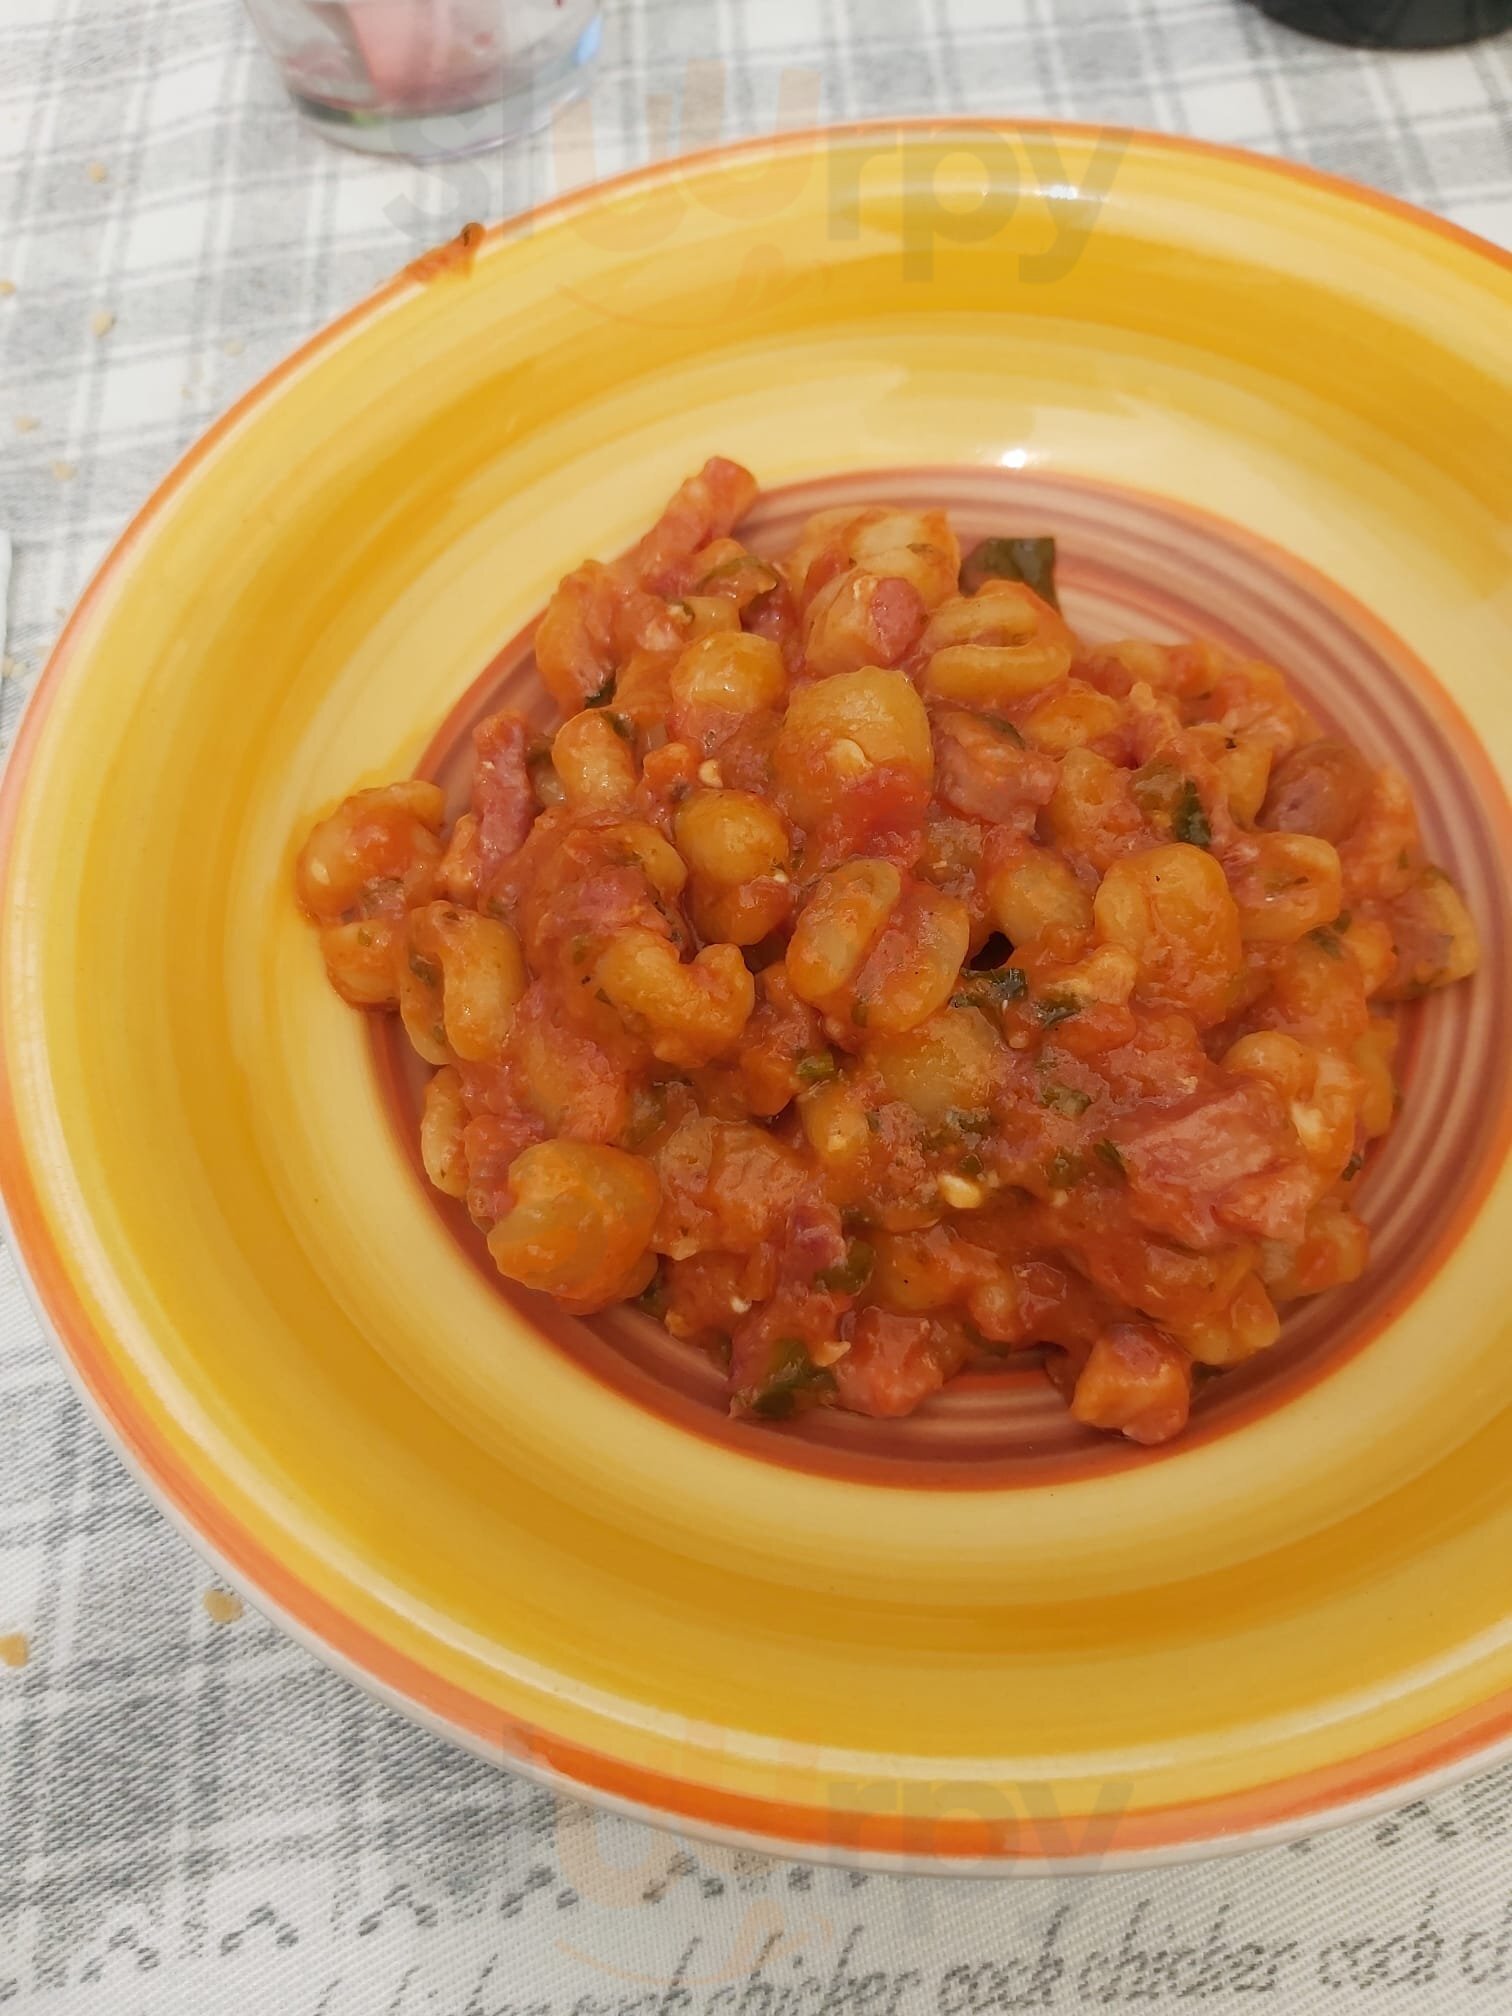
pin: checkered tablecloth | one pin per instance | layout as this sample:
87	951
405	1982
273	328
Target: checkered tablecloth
194	1816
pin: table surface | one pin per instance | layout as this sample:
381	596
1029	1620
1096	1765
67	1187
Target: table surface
194	1815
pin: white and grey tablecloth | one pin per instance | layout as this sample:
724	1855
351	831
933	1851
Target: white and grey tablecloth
195	1817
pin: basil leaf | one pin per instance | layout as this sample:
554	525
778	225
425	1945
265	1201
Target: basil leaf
1031	561
851	1275
816	1069
1189	822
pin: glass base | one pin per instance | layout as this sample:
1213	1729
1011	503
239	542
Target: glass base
457	131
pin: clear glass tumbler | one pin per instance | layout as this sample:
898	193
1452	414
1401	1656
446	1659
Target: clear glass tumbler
429	79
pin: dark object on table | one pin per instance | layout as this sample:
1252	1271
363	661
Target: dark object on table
1393	24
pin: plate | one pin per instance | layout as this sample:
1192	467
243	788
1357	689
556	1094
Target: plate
1249	400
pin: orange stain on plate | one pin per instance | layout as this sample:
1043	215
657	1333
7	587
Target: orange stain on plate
453	260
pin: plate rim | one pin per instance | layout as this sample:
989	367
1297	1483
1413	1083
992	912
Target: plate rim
1428	1761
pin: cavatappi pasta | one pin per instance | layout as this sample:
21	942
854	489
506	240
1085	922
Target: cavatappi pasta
873	979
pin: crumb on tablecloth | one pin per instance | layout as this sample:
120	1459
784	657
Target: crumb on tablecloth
97	172
102	321
65	471
222	1606
27	423
14	1649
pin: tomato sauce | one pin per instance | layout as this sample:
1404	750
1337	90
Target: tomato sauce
871	978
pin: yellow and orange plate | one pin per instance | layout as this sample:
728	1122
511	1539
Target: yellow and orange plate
1249	401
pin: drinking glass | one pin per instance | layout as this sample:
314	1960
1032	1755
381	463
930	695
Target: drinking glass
429	79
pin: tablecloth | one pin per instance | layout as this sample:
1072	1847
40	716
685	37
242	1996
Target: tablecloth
195	1816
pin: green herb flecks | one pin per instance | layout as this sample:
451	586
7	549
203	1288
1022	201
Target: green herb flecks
793	1380
1189	821
1155	788
969	1120
991	991
850	1275
1004	727
1330	936
653	1297
1031	561
817	1068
